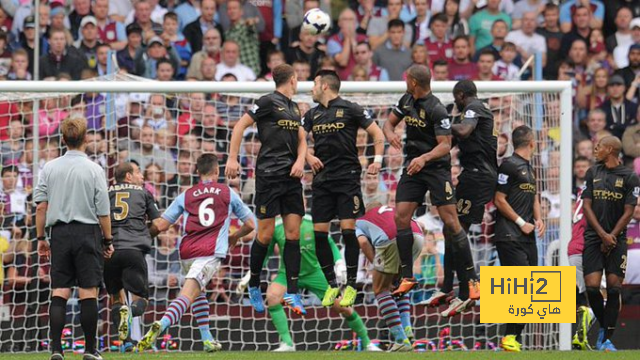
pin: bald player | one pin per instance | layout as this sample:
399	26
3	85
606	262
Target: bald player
611	193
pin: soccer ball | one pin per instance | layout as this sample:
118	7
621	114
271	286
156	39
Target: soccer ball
316	22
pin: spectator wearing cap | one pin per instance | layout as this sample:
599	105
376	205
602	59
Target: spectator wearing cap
194	31
109	31
527	41
81	8
211	48
568	8
438	43
480	24
581	29
178	41
245	33
622	36
393	55
127	55
307	49
621	52
142	17
146	59
341	46
460	66
60	21
60	58
378	26
364	57
19	17
27	41
550	30
620	111
88	42
230	63
420	24
631	72
187	13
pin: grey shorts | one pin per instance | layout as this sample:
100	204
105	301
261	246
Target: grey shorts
576	260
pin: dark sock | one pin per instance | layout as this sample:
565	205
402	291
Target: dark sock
292	264
596	302
581	298
449	263
351	254
405	248
611	311
325	257
115	314
89	322
519	328
464	258
258	254
57	320
138	307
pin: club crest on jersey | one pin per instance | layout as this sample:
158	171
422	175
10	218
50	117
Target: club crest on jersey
263	209
339	113
356	204
502	179
619	182
296	110
445	124
423	114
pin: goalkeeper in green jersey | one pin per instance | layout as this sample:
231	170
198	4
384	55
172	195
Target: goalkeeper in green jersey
311	278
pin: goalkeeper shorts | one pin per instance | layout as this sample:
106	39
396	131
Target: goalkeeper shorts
314	282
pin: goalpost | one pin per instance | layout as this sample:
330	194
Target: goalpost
545	106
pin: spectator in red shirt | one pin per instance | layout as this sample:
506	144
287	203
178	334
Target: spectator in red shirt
485	66
438	44
363	57
460	66
341	46
440	70
188	120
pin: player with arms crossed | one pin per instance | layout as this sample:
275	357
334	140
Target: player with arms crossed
206	210
427	168
336	183
518	217
478	144
376	232
279	168
611	194
131	207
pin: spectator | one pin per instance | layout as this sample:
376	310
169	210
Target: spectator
295	9
302	70
420	56
146	59
578	57
157	115
630	73
96	148
592	96
127	55
249	11
271	33
631	141
185	177
486	62
95	104
622	36
341	46
306	49
393	55
164	265
194	31
358	73
364	57
230	63
371	190
596	123
208	70
102	55
27	40
393	170
580	167
480	24
440	70
193	117
581	29
145	153
460	66
60	59
24	10
620	112
584	148
420	24
109	31
164	70
211	47
156	14
245	33
15	210
598	55
527	42
274	58
456	24
377	30
142	17
438	43
88	42
622	51
11	150
81	8
178	42
570	7
499	32
187	12
207	128
505	67
60	21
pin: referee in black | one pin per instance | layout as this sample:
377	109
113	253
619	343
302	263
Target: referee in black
611	194
519	216
73	204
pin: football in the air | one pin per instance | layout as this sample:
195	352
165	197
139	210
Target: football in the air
316	22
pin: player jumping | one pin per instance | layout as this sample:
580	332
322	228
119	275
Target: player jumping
279	168
131	207
427	168
206	212
376	232
336	183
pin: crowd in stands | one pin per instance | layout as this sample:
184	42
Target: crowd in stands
595	44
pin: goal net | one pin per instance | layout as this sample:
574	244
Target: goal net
164	132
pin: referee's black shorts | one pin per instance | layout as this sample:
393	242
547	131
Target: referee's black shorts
278	196
517	253
412	188
342	198
76	255
127	269
613	262
475	189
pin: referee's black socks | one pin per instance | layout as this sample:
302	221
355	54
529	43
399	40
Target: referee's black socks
89	322
256	262
57	320
405	248
351	254
325	257
292	264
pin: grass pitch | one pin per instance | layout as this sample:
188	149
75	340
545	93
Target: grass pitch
332	355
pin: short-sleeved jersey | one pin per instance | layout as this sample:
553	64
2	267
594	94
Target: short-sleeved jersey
610	190
425	118
335	129
379	226
131	207
308	259
576	244
206	210
479	150
278	120
517	180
